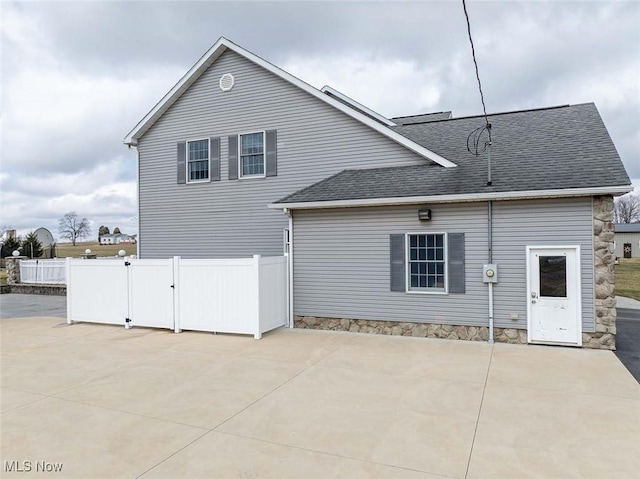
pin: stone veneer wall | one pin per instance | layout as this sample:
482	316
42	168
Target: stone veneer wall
604	277
13	268
421	330
605	302
41	289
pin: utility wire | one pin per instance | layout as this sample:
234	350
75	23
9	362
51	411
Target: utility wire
473	53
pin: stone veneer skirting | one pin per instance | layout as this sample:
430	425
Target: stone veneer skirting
420	330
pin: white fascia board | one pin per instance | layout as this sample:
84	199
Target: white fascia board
369	111
508	195
217	49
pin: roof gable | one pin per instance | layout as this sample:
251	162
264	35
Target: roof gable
220	47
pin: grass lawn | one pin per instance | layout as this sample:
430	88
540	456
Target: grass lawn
64	250
628	278
3	276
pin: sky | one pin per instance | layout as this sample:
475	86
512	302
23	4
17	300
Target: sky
77	76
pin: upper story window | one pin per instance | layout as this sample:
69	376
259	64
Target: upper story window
198	160
252	154
427	260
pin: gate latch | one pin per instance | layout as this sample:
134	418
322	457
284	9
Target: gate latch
126	263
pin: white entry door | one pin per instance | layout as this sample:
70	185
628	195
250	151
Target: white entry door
554	295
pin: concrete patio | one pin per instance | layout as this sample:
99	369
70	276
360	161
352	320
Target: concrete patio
114	403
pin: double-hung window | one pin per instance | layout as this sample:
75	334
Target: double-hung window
198	160
252	154
427	262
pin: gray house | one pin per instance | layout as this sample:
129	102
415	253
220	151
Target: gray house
627	240
391	224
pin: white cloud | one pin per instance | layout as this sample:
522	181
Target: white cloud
390	87
62	131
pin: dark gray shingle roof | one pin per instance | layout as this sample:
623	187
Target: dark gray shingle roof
552	148
425	117
626	227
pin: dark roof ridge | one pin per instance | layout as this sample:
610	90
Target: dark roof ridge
421	114
502	113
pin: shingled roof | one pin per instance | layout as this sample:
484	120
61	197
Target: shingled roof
423	118
549	149
626	227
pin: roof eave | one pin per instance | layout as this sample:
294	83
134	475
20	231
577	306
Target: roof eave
472	197
217	49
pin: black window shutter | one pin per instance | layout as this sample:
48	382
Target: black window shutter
271	156
233	157
397	250
214	144
456	262
182	162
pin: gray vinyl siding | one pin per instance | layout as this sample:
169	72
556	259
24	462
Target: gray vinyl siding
517	224
230	218
341	260
622	238
342	268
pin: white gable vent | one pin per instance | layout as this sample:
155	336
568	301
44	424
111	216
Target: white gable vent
226	82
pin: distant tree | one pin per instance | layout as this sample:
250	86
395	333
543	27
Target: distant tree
626	209
31	246
9	246
104	230
73	228
116	231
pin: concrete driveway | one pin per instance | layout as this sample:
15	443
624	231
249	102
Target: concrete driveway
102	401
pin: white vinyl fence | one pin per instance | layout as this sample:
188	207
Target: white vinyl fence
244	296
43	271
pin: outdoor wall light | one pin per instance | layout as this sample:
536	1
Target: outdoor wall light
424	215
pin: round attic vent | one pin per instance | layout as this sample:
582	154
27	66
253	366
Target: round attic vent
226	82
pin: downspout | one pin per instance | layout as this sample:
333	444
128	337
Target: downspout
289	213
490	245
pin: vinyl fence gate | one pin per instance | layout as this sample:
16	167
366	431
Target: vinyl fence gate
244	296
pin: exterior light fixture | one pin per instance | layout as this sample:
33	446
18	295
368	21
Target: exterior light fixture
424	215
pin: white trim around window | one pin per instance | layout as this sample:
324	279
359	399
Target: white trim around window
408	261
188	160
241	175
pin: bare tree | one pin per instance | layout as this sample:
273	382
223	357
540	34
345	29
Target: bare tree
626	209
72	227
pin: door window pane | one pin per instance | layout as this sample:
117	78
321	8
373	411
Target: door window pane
553	276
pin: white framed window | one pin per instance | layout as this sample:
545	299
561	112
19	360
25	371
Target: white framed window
251	154
197	160
426	262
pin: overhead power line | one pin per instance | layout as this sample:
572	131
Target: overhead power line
475	62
